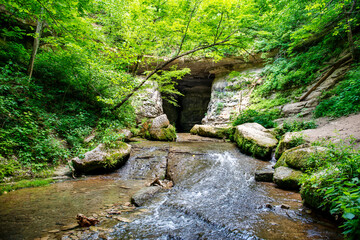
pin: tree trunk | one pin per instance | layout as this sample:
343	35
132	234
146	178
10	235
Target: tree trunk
36	44
349	33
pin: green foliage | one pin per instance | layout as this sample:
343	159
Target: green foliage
8	167
296	141
299	70
264	118
342	100
4	187
45	123
335	180
219	107
294	126
259	103
167	81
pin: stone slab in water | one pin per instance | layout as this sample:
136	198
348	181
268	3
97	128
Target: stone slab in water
264	175
287	178
144	195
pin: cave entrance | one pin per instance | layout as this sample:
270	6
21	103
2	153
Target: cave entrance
193	105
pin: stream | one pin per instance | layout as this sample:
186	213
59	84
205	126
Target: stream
215	196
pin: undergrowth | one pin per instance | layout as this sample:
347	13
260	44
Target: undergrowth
334	182
45	120
264	118
344	99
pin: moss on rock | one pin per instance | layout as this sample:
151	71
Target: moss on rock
254	139
288	141
298	157
102	158
287	178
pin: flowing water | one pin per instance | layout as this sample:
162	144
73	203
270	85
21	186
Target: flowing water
215	197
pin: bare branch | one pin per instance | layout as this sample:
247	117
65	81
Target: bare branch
187	28
158	68
218	27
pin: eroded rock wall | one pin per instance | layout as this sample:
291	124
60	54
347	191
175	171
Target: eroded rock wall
230	94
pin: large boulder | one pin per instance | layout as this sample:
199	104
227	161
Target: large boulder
254	139
288	141
161	129
210	131
299	157
102	158
287	178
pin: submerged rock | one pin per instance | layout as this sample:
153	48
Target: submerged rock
254	139
287	178
211	131
102	158
264	175
143	195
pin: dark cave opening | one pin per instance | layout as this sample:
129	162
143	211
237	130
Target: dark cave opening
193	105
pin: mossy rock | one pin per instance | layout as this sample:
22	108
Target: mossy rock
281	162
312	196
288	141
162	134
195	129
287	178
211	131
255	140
102	158
298	158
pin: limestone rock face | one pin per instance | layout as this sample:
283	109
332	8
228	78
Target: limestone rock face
254	139
143	195
227	98
210	131
161	129
298	158
287	178
102	159
148	102
290	140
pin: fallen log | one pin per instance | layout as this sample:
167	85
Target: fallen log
346	59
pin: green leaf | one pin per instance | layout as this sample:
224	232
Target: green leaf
348	216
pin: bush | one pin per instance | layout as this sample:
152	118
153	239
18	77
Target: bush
335	182
344	99
263	118
297	70
45	122
294	126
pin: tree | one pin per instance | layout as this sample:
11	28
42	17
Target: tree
173	29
